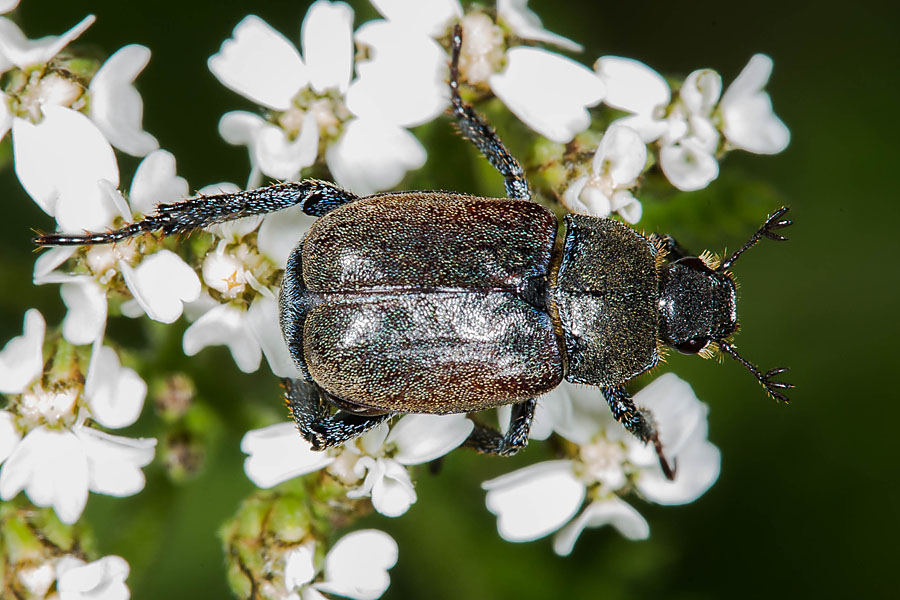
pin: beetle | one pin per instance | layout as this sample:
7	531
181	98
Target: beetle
441	302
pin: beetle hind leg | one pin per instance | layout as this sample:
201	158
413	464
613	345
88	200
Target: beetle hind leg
490	441
310	408
638	422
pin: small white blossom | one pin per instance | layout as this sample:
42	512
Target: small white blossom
748	121
59	459
617	164
373	465
368	146
355	567
535	501
159	281
688	129
548	92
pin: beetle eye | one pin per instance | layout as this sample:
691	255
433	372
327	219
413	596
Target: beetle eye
692	346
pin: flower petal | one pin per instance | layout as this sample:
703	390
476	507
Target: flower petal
116	106
621	155
527	25
632	86
432	17
86	318
699	464
748	120
281	232
549	92
261	64
103	579
299	568
614	511
700	91
115	462
9	434
535	501
59	162
52	467
50	260
22	360
372	156
688	166
422	438
115	394
277	453
263	320
392	490
357	565
281	158
155	182
224	325
327	39
161	284
403	81
24	53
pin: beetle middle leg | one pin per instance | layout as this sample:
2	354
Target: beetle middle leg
637	421
316	198
310	409
490	441
477	131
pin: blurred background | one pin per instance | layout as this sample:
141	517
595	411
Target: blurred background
808	501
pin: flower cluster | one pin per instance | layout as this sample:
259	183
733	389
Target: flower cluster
48	447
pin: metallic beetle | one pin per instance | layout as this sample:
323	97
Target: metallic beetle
441	302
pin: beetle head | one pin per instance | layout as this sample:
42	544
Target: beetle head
697	305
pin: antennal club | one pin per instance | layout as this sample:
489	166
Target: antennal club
765	379
767	230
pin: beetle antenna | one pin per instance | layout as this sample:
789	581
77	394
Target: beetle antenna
767	230
765	379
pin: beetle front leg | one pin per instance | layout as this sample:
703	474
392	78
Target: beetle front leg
637	421
311	412
490	441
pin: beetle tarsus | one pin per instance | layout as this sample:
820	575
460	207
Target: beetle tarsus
323	430
765	379
772	223
668	471
490	441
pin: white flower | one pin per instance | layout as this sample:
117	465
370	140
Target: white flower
59	459
8	6
160	282
618	162
376	461
249	331
355	567
748	121
538	500
547	91
369	148
103	579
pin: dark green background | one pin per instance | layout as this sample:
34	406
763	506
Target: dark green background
807	503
